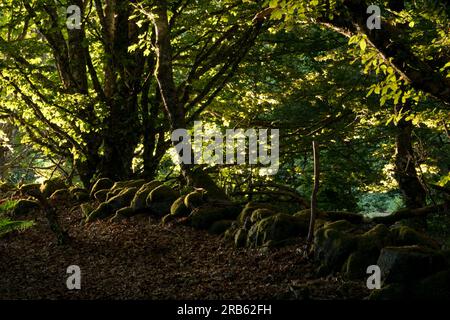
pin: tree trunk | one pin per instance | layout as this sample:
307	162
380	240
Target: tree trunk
405	167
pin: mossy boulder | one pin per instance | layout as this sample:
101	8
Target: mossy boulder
104	210
231	232
276	228
219	227
205	216
405	236
123	213
179	209
249	208
333	243
128	184
260	214
367	251
195	199
51	185
113	192
100	195
409	263
139	201
101	184
24	207
61	194
31	189
117	202
304	217
240	238
160	200
168	218
123	199
161	193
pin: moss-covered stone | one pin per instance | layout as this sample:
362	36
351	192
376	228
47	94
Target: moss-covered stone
31	189
104	210
125	212
304	217
51	185
61	194
333	243
123	199
139	201
219	227
168	218
128	184
249	208
231	232
24	207
260	214
409	263
100	195
179	209
240	238
86	209
367	251
195	199
162	193
405	236
117	202
101	184
205	216
112	193
276	228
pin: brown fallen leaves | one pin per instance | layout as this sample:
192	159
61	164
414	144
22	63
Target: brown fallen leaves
140	259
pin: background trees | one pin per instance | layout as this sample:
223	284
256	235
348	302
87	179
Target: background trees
102	100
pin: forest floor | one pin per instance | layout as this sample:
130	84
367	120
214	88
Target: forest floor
140	259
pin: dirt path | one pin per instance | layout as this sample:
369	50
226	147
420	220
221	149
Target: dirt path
140	259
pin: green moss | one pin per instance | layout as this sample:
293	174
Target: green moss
61	194
103	211
240	238
113	192
168	218
205	216
404	236
117	202
51	185
101	184
139	201
31	189
277	228
128	184
250	207
100	195
179	209
161	193
219	227
194	199
333	243
260	214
